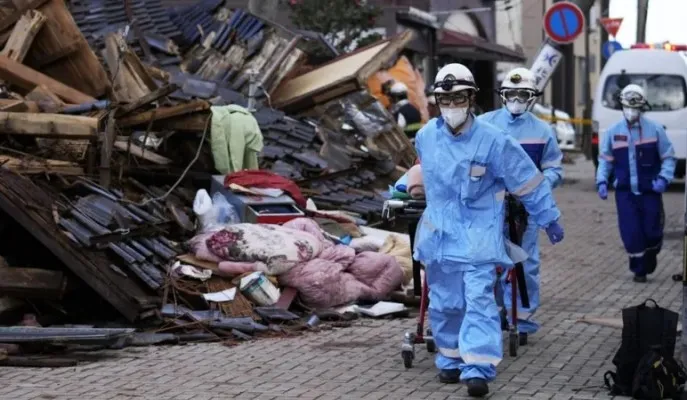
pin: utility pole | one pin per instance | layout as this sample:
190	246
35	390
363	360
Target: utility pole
642	13
587	113
605	4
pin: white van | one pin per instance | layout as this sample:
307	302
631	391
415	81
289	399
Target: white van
663	75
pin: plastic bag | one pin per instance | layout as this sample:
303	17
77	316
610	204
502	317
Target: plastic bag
213	213
226	213
202	207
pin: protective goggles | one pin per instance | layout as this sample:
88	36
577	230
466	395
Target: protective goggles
521	95
456	98
448	84
633	100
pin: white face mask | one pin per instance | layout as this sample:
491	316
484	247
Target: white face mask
515	107
631	114
454	117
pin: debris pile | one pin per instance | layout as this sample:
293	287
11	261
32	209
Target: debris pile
107	136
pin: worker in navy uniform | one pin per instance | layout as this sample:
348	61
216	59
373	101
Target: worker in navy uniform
642	159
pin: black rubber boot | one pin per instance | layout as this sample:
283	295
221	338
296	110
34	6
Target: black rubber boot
639	278
449	376
477	387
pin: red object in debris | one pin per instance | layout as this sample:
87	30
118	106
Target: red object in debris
265	180
611	25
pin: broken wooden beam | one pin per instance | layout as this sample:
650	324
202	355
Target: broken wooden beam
157	73
164	113
48	125
130	78
147	99
35	166
61	51
12	19
19	106
22	36
27	78
47	101
140	152
32	283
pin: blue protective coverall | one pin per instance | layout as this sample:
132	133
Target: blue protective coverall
637	155
460	237
539	141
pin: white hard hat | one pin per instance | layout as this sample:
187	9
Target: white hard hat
454	78
398	88
519	78
632	96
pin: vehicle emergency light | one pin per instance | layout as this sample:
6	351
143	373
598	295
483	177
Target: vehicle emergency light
665	46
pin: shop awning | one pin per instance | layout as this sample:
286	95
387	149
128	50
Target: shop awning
463	45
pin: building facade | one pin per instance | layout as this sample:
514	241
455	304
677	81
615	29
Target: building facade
519	25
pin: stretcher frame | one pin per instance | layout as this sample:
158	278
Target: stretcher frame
411	211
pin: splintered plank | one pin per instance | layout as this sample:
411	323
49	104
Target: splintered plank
19	106
140	152
147	99
131	79
27	78
40	166
48	125
23	34
32	283
11	19
164	113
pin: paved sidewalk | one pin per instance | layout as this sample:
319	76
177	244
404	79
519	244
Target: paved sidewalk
586	275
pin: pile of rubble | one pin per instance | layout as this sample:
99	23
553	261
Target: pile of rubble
105	140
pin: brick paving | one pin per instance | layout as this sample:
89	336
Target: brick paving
586	275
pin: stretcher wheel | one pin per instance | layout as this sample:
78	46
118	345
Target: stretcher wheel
513	344
505	327
523	339
407	359
431	345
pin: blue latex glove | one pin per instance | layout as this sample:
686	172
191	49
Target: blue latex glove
555	232
659	185
603	191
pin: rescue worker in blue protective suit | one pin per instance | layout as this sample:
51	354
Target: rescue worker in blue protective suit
642	158
518	92
467	166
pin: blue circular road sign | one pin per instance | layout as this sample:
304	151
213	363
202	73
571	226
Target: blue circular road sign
609	48
563	22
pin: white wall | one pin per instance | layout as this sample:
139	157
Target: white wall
509	32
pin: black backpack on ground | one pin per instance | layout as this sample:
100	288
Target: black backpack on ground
645	366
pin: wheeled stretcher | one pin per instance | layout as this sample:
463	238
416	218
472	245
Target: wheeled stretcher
411	212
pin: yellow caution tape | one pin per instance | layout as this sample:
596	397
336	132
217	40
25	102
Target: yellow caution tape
576	121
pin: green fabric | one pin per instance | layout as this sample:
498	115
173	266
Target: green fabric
400	195
235	139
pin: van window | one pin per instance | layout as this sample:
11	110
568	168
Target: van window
663	92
